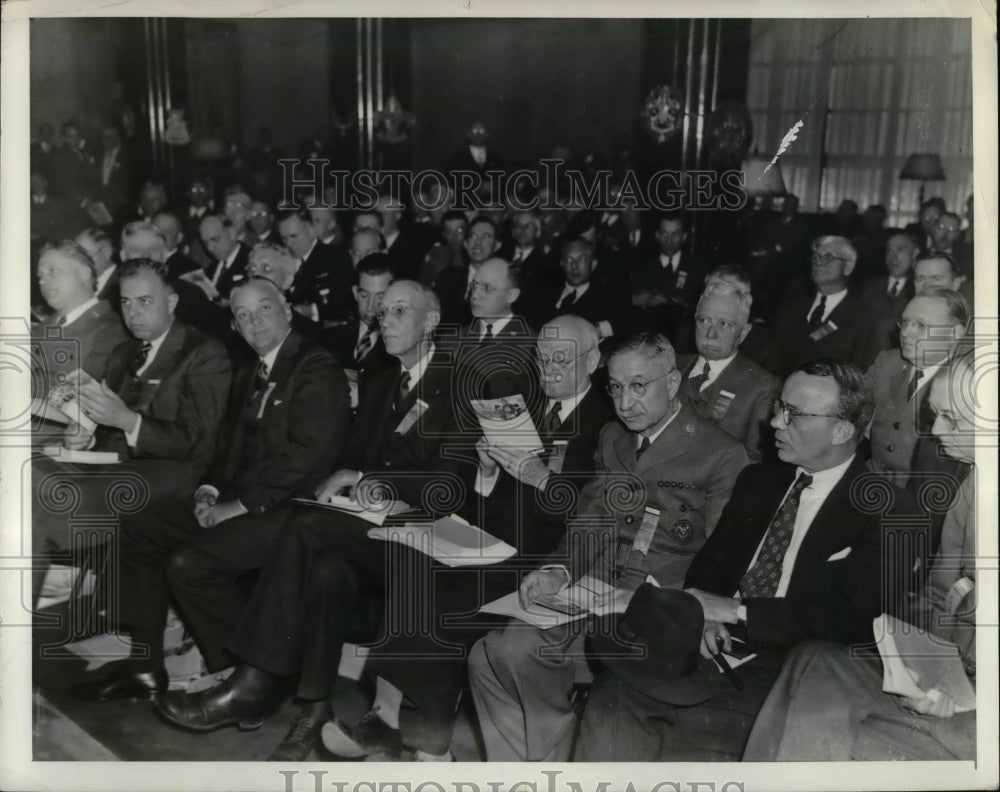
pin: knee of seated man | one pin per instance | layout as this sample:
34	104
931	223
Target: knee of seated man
184	564
332	572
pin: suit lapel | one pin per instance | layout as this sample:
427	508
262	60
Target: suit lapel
162	364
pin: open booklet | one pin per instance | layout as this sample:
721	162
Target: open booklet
81	457
569	605
507	422
62	403
915	663
344	504
449	540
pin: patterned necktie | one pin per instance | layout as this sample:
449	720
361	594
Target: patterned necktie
761	580
698	381
567	302
404	387
551	421
816	317
364	346
260	380
141	356
643	446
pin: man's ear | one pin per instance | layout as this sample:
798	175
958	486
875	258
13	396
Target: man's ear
512	295
172	299
744	332
354	291
843	431
849	268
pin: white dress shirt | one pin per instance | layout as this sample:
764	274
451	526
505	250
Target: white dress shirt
567	290
672	262
154	346
226	264
497	324
832	301
812	499
715	369
103	278
80	310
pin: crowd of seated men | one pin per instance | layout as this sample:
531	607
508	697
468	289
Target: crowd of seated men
703	465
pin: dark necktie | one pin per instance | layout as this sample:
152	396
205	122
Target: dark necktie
816	317
894	290
488	334
911	386
761	580
518	258
551	421
699	380
404	387
141	356
260	380
567	302
364	346
643	446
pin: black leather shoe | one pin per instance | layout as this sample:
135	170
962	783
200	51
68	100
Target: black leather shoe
123	684
216	707
302	736
370	735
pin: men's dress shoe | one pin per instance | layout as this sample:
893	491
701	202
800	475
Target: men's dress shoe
215	707
124	684
301	738
370	735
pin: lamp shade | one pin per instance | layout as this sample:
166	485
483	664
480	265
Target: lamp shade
923	167
759	179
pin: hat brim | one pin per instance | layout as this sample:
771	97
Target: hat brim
628	660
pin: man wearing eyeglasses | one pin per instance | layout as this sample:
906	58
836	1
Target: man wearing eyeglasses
719	383
797	554
663	475
322	571
828	705
929	329
829	322
454	285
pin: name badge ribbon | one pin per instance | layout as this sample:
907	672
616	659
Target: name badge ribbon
721	406
557	456
412	416
644	536
823	330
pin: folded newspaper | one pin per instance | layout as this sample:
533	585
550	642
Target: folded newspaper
507	422
449	540
915	663
569	605
372	514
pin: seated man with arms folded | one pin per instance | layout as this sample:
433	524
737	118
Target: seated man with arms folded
662	477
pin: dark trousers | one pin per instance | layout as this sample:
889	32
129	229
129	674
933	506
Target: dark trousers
620	724
322	570
211	578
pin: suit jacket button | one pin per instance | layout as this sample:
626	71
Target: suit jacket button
630	519
683	508
895	425
890	448
660	483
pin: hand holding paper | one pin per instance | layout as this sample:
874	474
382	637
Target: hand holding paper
106	407
334	484
521	463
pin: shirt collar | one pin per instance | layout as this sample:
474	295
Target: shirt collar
716	367
832	301
653	437
103	278
270	357
80	310
580	290
231	257
668	261
419	367
498	324
825	480
390	238
154	347
566	406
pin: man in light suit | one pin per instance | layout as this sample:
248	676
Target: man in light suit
286	419
89	328
797	554
160	403
719	383
931	325
662	478
830	706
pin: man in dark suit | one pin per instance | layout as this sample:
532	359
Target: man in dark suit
888	295
901	378
452	285
476	156
90	329
325	567
580	294
520	497
405	248
921	230
832	321
114	168
653	503
102	252
719	383
199	206
229	256
260	221
357	343
448	251
285	424
178	262
829	705
160	403
939	270
73	174
538	268
321	287
796	555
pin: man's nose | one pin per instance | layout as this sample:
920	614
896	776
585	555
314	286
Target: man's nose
712	332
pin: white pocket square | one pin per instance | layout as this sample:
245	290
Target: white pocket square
278	401
842	554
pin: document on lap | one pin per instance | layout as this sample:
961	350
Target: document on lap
507	422
449	540
341	503
554	610
81	457
916	663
